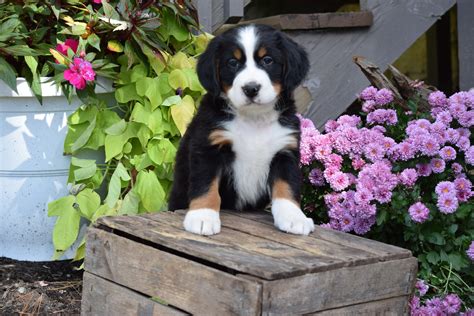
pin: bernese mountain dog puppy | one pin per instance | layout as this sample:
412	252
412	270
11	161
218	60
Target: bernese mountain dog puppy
241	150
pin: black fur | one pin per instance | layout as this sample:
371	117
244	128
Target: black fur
198	162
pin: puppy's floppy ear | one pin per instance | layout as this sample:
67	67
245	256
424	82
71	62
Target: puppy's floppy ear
207	68
296	65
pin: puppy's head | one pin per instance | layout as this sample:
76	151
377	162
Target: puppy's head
252	65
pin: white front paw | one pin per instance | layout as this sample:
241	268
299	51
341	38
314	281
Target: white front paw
289	218
202	221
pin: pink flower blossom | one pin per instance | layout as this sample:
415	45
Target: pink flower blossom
79	72
447	203
338	181
408	177
368	93
451	304
437	165
445	187
457	168
470	251
69	43
447	153
469	155
422	287
382	116
423	169
437	99
316	177
368	106
419	213
463	143
383	96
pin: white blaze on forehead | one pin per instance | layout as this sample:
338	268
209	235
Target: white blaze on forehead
248	40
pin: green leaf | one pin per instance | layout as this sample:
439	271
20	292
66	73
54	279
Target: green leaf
143	84
117	128
150	190
182	113
8	74
80	251
436	238
61	206
138	72
177	79
130	204
85	172
155	121
126	93
153	94
180	61
34	83
84	137
163	83
109	10
115	185
66	229
193	80
94	41
161	151
103	210
433	257
172	100
89	202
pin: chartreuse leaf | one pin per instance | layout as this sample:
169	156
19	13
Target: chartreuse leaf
193	80
126	93
94	41
115	185
88	201
143	84
161	151
66	228
153	94
130	204
163	83
61	206
114	143
182	113
84	137
115	46
7	74
169	101
117	128
180	61
34	83
138	72
103	210
85	171
81	250
150	190
177	79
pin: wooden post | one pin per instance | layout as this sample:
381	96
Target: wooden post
466	44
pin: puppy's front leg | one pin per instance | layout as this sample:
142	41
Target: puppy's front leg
205	202
285	183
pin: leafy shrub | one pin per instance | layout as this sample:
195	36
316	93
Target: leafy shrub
148	50
401	176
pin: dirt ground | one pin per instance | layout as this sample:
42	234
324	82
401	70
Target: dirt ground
39	288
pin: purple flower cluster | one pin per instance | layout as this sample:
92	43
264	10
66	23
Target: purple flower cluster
355	160
470	251
448	305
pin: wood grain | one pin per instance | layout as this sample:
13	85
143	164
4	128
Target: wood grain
341	287
102	297
384	251
187	285
389	307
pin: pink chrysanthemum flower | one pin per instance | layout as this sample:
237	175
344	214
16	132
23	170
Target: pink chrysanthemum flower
316	177
451	304
447	203
419	213
383	96
423	169
437	165
408	177
368	106
457	168
79	72
445	187
430	146
437	99
444	117
338	181
368	93
470	251
422	287
469	155
463	143
447	153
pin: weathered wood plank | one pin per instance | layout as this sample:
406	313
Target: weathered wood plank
351	256
466	44
333	79
384	251
342	287
389	307
316	20
190	286
102	297
236	250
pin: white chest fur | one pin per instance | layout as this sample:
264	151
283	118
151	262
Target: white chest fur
255	143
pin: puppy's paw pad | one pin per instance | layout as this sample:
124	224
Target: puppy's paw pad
289	218
202	222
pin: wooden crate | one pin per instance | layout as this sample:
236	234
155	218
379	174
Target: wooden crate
148	265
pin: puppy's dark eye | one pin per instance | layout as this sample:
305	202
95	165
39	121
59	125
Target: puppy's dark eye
234	63
267	60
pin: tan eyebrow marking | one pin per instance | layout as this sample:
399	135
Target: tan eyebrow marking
262	51
238	54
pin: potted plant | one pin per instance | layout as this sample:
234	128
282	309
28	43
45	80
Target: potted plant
146	50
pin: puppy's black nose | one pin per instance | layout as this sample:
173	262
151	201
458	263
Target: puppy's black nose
251	89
